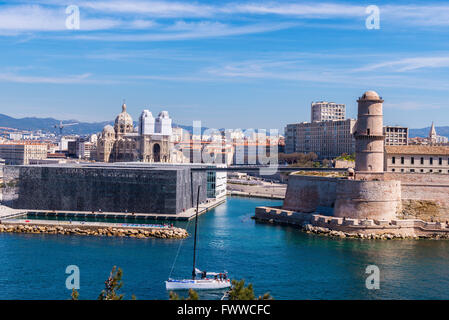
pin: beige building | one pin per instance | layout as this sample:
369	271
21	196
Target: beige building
151	143
396	136
328	139
324	111
20	153
417	158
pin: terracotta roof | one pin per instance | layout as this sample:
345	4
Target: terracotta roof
417	149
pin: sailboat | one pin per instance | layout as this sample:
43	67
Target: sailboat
208	280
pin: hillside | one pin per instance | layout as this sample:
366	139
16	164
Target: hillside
424	132
47	125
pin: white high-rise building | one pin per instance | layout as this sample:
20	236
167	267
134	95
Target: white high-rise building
325	111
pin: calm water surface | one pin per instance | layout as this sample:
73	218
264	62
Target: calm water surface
281	260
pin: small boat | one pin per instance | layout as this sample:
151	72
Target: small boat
216	280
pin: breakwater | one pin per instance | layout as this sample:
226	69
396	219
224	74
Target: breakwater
93	229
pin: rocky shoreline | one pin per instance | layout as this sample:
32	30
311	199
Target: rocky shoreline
140	233
308	228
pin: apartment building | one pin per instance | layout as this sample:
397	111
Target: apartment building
328	139
396	136
20	153
324	111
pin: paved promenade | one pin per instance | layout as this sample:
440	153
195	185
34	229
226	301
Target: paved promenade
261	190
186	215
6	212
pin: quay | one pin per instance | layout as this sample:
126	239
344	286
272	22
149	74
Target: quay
7	212
182	216
254	195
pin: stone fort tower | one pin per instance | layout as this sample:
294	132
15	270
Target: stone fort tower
369	145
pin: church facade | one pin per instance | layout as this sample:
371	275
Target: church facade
152	142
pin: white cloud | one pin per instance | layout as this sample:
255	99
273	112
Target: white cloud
13	77
197	30
409	64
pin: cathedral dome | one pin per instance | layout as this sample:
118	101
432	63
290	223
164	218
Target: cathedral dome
123	122
108	129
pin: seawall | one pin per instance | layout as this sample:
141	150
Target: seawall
91	229
358	228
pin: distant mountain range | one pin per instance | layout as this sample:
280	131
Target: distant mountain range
48	125
424	132
82	128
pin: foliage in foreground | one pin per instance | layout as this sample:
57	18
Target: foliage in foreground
193	295
238	291
113	284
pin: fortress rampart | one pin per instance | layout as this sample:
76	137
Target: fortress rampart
343	198
370	198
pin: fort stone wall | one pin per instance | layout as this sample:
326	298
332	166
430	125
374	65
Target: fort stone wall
368	199
310	194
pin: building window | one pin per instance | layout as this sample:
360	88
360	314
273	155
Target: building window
412	161
412	170
422	170
392	170
402	170
422	160
440	161
431	161
430	170
402	160
393	160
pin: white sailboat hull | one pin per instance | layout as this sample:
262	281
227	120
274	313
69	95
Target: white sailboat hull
203	284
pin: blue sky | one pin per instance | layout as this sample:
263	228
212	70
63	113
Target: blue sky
229	64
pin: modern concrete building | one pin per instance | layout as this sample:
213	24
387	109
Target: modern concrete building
328	139
369	150
417	158
127	187
325	111
19	153
396	136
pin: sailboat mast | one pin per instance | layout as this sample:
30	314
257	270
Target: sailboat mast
196	226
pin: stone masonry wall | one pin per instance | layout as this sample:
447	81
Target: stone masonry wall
310	194
368	199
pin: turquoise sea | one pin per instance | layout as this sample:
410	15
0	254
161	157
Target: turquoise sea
277	259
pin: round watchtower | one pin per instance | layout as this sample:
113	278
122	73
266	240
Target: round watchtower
369	138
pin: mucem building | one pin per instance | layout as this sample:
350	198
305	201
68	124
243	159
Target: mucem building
139	188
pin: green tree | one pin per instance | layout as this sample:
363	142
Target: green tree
112	285
240	292
193	295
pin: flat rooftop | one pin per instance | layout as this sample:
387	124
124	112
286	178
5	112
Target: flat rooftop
125	165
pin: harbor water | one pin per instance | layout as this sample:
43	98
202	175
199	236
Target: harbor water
283	261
